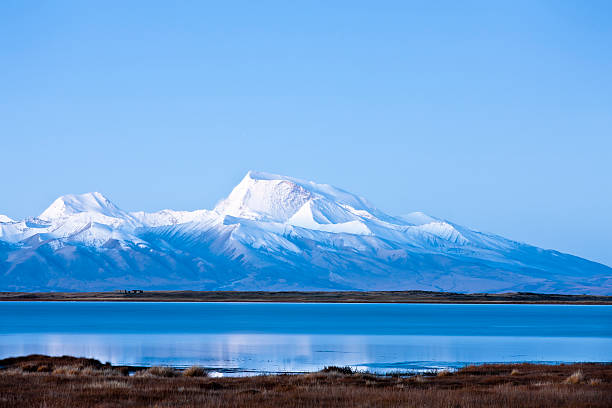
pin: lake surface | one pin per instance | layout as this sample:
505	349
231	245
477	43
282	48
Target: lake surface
246	338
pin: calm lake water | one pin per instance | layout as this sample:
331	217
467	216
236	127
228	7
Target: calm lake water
243	338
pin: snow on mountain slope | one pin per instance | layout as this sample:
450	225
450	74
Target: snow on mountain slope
264	199
94	204
88	218
310	216
418	218
270	197
275	233
4	218
169	217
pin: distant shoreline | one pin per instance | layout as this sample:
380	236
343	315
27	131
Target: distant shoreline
309	297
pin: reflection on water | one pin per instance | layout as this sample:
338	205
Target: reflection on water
300	352
248	338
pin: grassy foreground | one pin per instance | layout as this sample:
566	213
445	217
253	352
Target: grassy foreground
410	296
40	381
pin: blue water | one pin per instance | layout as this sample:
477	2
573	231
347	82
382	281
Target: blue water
243	338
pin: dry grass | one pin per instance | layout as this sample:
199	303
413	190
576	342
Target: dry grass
108	385
475	386
195	371
67	370
576	378
418	378
158	371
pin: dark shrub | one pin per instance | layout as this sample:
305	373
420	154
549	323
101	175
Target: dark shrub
338	370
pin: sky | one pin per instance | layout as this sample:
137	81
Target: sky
494	115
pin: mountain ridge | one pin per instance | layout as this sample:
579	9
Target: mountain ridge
275	232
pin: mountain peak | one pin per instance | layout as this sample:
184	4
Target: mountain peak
71	204
4	218
264	196
260	175
271	196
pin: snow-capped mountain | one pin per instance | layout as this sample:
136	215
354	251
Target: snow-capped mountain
274	233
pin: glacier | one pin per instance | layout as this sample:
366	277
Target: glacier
275	233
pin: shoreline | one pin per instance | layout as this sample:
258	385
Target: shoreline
310	297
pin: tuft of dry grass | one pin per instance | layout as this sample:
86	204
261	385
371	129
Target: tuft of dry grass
12	371
108	385
67	370
515	372
100	372
576	378
158	371
195	371
542	384
444	373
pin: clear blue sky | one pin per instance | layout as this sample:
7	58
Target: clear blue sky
496	115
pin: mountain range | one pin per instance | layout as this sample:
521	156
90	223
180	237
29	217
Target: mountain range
274	233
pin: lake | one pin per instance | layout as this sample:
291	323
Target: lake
251	338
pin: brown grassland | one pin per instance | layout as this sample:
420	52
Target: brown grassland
40	381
